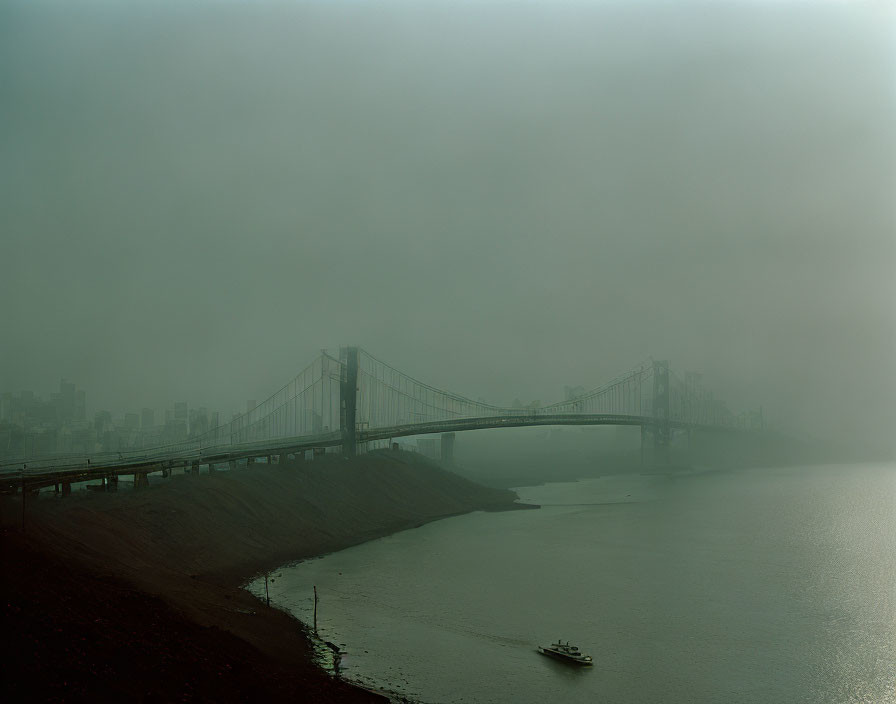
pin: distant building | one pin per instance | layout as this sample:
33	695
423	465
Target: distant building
80	405
102	422
175	431
147	418
69	404
66	407
78	436
198	421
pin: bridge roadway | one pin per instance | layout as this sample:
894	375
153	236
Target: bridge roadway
50	470
513	421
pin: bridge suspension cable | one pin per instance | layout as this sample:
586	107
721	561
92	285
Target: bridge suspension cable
312	407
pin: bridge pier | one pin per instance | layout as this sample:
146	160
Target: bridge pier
66	488
194	468
232	465
141	480
643	432
112	482
447	448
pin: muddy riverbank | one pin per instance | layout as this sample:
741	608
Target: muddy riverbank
137	595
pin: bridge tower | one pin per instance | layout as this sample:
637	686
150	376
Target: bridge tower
661	405
349	359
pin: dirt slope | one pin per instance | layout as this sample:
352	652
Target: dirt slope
135	596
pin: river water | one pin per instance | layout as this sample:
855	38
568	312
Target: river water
762	585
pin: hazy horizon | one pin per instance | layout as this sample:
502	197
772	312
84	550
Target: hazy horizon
498	199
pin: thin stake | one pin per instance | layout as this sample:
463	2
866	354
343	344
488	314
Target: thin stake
24	467
315	609
266	593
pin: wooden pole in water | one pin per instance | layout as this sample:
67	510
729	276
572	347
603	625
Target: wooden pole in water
24	467
267	594
315	609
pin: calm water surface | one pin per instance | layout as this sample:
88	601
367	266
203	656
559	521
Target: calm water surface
765	585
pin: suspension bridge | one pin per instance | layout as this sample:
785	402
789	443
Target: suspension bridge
355	401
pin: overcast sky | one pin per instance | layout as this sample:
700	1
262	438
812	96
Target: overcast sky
498	198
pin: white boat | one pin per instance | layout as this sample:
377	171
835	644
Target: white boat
567	652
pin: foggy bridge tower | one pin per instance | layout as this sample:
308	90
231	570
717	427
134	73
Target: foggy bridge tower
661	431
348	398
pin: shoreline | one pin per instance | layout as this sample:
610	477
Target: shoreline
140	595
327	646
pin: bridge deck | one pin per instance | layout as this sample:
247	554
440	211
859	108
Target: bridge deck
51	470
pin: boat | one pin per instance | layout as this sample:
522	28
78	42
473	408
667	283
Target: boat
566	652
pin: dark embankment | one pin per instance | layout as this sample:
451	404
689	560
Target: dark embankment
135	595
